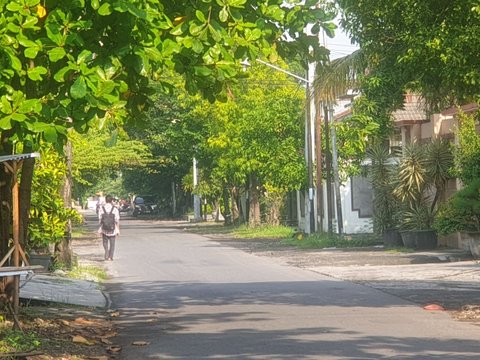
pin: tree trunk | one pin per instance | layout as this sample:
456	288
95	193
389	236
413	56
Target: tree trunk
25	198
174	200
275	201
226	204
234	208
254	218
6	209
5	195
63	250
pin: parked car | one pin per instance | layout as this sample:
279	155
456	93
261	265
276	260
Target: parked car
145	204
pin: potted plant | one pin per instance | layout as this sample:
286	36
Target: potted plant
420	183
462	214
417	231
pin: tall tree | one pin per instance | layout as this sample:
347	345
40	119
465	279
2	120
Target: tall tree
256	137
426	46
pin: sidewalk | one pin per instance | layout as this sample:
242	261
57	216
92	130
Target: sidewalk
52	288
449	284
49	287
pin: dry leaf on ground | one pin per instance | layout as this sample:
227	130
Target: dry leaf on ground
140	343
79	339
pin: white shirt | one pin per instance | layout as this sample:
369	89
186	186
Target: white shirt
115	212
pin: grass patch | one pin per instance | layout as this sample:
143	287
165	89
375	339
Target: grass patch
270	232
87	272
79	232
323	240
17	341
83	272
402	250
209	228
244	231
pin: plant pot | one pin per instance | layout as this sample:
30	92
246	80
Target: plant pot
392	238
419	239
43	260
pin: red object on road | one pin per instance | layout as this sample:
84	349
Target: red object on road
434	307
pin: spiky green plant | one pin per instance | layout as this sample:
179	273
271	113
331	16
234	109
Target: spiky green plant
380	174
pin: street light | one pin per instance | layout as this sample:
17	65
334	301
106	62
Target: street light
310	213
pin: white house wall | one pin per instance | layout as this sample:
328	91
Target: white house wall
353	223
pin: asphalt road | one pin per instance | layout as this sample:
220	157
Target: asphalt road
182	296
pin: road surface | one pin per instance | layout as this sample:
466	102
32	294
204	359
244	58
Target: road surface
182	296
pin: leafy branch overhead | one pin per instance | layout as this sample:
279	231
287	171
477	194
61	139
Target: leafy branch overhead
67	63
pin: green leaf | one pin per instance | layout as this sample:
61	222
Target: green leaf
236	3
139	13
39	126
105	9
60	74
223	15
153	53
200	16
215	34
275	12
79	88
106	87
30	22
50	134
329	29
5	105
196	29
6	122
31	53
56	54
197	46
95	4
13	27
202	70
85	55
14	7
19	117
25	42
177	30
54	33
30	105
36	73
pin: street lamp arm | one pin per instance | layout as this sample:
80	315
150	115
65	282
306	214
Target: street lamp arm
246	63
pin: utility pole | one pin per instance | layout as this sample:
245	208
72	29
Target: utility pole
328	170
336	176
309	149
319	161
196	199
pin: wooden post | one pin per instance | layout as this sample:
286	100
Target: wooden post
16	232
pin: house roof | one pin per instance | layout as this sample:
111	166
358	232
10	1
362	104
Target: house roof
413	112
468	108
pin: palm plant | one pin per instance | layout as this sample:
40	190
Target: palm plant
422	176
411	180
438	163
380	175
339	76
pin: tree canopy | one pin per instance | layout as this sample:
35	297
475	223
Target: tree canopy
426	46
66	63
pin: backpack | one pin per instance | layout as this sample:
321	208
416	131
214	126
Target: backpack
108	220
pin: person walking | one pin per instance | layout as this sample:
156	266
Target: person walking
109	221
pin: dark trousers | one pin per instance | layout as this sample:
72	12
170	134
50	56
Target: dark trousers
109	246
